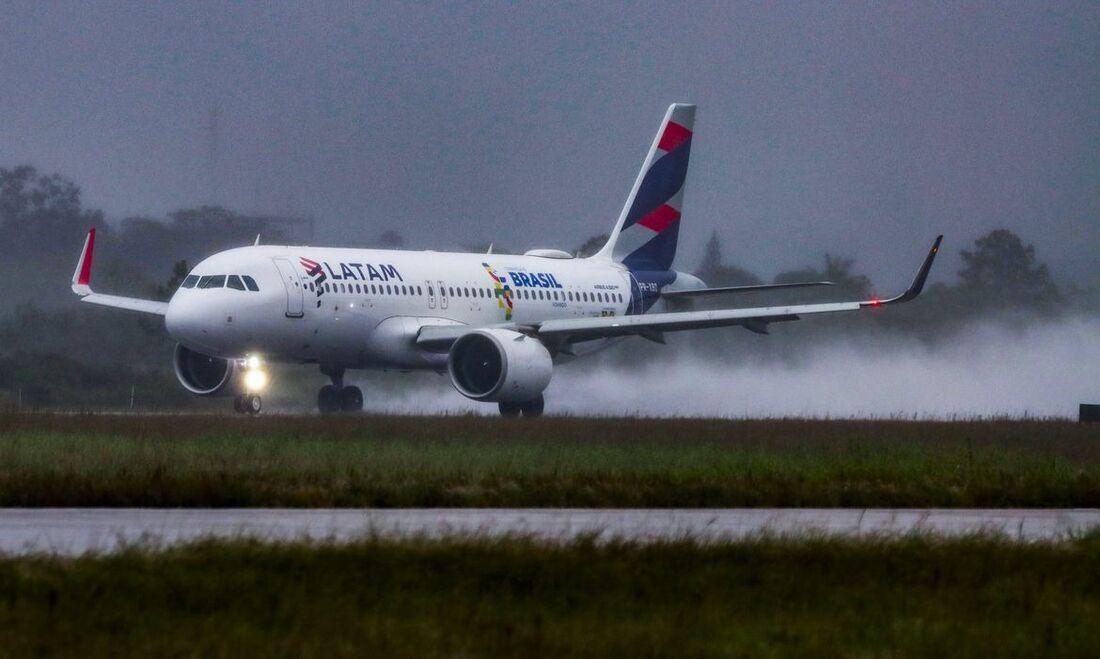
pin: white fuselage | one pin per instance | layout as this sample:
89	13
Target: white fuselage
362	308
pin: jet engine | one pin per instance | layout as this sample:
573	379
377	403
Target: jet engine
500	366
205	375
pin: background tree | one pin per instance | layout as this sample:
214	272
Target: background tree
390	239
1001	273
34	205
591	246
164	292
836	269
715	271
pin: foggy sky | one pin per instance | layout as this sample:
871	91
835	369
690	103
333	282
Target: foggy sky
862	129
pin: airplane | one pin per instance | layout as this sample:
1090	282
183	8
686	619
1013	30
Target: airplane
495	324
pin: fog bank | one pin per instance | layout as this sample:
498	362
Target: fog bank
993	370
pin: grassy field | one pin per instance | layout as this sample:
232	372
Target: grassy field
217	461
973	597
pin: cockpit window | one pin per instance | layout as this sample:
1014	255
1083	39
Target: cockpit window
189	281
212	281
250	283
235	283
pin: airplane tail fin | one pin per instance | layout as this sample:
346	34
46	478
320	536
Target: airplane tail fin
645	235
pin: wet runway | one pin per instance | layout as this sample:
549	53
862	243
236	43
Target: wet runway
75	531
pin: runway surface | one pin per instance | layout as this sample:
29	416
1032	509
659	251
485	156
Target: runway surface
74	531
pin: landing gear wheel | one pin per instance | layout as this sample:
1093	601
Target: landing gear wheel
351	399
238	404
252	404
508	409
533	407
328	399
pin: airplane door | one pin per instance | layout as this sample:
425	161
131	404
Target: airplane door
442	295
295	297
431	294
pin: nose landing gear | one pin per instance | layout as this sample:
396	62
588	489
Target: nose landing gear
335	397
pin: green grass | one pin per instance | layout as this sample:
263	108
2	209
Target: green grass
462	597
213	461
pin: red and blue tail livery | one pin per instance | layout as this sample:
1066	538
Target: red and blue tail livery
646	234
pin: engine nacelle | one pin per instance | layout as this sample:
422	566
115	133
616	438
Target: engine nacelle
205	375
498	365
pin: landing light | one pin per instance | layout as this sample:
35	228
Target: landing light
252	362
255	380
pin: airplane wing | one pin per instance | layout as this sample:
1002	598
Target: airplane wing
755	319
82	278
651	326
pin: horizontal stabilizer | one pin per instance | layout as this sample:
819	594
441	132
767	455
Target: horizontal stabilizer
719	290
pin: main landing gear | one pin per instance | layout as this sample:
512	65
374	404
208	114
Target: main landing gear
532	407
247	404
335	397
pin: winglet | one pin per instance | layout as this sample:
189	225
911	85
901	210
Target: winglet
82	276
918	283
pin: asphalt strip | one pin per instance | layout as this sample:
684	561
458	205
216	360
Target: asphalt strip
75	531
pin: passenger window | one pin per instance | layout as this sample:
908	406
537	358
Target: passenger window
404	291
235	283
373	290
189	281
431	291
250	283
419	291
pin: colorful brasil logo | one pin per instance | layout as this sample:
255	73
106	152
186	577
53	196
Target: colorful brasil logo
503	292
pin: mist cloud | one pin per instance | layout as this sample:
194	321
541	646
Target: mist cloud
992	370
